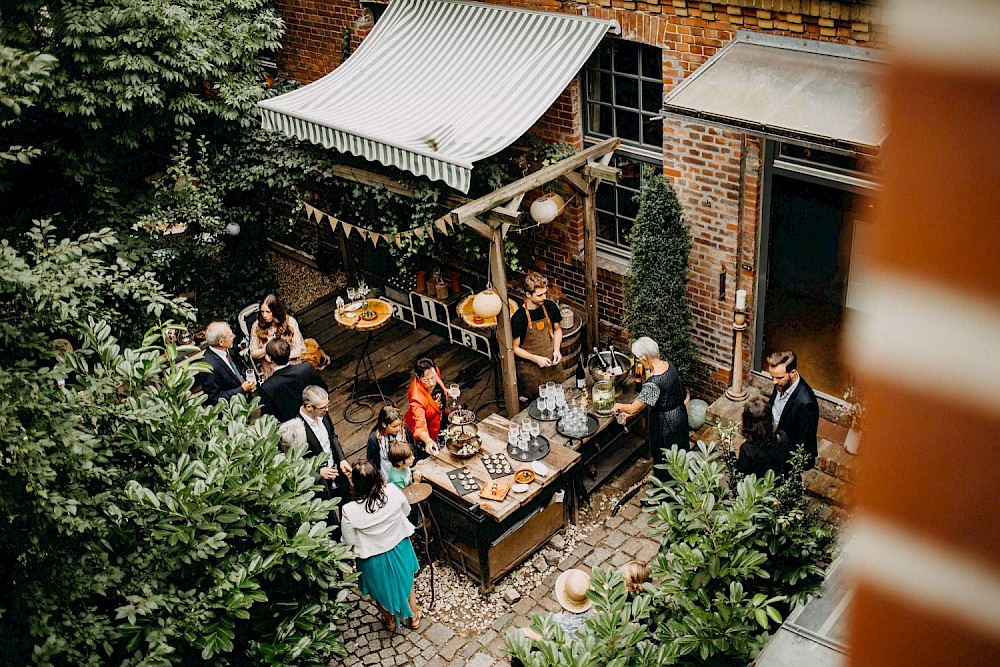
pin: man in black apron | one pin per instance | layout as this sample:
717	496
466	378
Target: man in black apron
537	337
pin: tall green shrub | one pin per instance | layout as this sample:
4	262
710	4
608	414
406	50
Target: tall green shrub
139	526
655	294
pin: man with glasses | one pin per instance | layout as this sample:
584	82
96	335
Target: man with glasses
227	377
334	470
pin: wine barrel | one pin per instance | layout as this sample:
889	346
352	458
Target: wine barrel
572	345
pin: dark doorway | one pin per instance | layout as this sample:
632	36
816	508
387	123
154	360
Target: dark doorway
809	250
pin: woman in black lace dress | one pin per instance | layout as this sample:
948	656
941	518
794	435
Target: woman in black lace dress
666	398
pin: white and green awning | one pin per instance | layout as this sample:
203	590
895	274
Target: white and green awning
440	84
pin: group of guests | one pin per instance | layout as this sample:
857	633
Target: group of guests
374	512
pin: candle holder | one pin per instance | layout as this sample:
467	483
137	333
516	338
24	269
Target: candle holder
737	392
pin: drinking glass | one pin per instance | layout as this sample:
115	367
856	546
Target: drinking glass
534	430
524	441
542	391
251	375
622	420
513	435
454	391
352	294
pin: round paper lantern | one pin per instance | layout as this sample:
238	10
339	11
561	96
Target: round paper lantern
546	208
487	303
697	411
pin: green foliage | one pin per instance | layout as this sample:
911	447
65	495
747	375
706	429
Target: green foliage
735	553
655	290
139	526
23	76
616	635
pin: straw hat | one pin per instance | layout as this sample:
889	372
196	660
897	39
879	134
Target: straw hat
571	590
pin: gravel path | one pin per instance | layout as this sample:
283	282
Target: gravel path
300	285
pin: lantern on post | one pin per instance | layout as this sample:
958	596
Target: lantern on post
487	303
547	208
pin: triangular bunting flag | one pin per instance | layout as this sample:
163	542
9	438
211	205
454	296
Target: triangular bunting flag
503	228
333	223
398	238
318	215
430	231
347	229
374	238
419	231
310	211
442	225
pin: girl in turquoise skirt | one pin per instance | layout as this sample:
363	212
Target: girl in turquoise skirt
375	525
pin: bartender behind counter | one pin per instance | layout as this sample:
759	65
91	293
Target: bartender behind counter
537	337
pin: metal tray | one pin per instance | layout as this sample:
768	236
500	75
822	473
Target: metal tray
537	449
592	424
536	414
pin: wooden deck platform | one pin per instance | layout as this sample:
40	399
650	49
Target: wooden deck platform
394	349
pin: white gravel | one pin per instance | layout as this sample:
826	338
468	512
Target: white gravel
460	604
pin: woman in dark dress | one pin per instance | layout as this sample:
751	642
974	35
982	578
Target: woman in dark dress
666	398
763	449
388	427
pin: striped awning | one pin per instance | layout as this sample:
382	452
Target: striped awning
439	85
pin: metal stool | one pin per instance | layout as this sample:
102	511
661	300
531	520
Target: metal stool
417	494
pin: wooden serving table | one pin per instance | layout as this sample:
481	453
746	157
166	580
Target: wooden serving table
603	452
488	538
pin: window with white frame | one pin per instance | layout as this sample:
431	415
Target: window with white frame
623	92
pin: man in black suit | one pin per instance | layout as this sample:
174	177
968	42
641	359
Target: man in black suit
281	394
226	379
332	468
794	409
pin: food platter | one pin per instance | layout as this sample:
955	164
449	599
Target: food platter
538	448
351	307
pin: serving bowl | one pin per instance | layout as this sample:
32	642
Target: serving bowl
626	361
463	441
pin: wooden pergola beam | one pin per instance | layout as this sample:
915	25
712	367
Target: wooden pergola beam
532	181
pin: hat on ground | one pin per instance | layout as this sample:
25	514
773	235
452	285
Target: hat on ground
571	590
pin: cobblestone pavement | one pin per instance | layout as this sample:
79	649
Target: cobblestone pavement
601	541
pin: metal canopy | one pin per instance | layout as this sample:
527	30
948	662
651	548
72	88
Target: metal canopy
788	88
440	84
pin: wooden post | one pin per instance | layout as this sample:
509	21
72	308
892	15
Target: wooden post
590	262
499	270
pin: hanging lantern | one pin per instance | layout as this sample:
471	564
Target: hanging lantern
487	303
547	208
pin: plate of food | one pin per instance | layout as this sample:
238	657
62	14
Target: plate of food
495	491
524	476
351	307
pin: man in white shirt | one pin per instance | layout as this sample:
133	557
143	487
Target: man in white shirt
226	379
333	469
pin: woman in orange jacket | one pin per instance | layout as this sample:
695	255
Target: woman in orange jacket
426	403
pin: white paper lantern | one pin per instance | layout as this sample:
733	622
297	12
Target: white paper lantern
487	304
546	208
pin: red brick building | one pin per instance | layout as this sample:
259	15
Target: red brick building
780	215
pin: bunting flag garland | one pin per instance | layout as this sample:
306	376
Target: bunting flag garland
442	225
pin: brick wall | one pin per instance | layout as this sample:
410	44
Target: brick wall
717	173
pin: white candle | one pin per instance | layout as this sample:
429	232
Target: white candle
741	299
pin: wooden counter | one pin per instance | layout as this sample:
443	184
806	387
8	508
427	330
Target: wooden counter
487	538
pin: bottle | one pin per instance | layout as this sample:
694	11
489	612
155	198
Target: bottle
601	360
616	368
638	376
581	375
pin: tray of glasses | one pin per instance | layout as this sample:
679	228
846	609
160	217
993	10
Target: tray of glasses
538	448
547	416
592	424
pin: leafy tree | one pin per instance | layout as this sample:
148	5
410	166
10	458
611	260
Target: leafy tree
733	557
139	526
655	290
23	75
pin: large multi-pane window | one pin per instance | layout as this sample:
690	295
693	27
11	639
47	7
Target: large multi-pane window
623	87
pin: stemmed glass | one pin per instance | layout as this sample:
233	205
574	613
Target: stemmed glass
534	430
352	294
454	391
